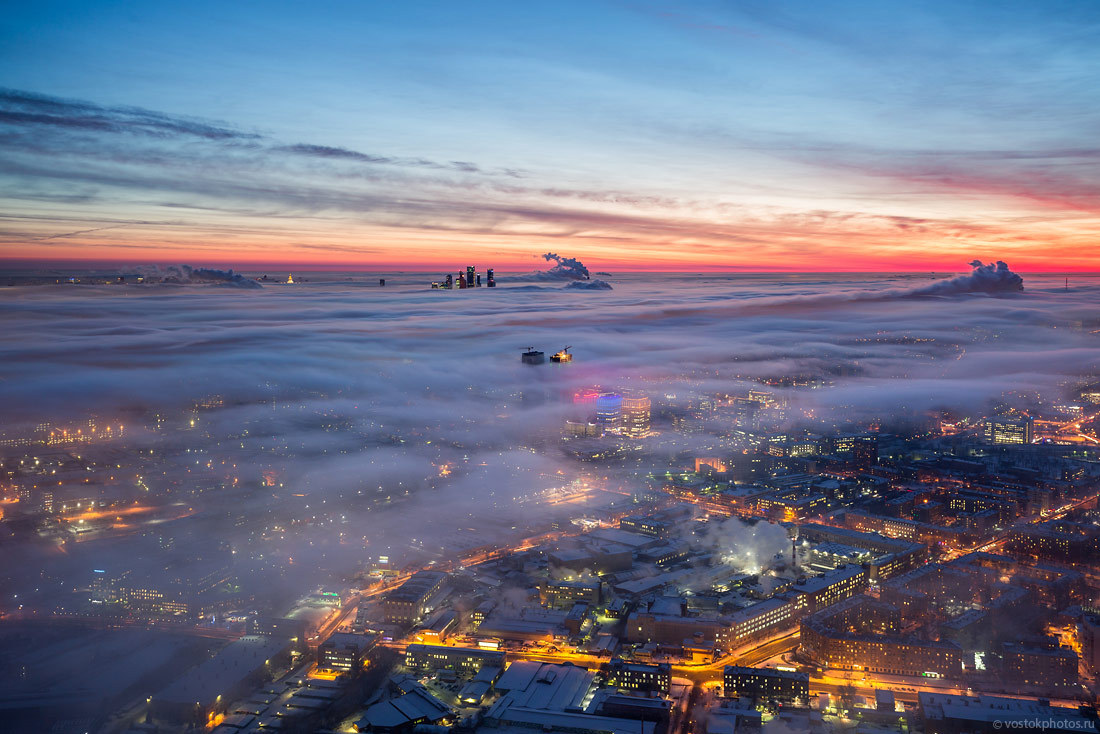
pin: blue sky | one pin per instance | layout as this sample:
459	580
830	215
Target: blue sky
699	118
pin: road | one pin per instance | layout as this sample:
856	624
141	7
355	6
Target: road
332	624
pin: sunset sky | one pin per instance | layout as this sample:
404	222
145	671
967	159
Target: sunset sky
764	135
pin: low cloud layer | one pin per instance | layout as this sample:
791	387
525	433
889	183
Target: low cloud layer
711	324
354	395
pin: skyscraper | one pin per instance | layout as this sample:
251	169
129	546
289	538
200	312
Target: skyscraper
609	411
471	276
489	277
635	416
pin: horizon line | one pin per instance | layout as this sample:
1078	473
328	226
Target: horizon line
26	264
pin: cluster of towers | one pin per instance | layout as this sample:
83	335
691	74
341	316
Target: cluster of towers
627	415
470	279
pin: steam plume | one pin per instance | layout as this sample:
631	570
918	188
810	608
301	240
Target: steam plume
187	275
566	268
992	278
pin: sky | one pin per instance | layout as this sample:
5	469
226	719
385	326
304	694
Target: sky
724	136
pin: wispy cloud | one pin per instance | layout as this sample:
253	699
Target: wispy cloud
246	184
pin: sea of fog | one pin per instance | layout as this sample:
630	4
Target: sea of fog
315	425
885	342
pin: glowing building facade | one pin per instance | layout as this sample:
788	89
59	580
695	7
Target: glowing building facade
609	411
635	416
1005	431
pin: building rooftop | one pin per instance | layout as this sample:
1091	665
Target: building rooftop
344	640
766	672
217	676
544	686
523	720
403	710
988	709
624	537
818	583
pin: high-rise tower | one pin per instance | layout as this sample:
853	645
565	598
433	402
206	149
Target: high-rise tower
635	416
609	411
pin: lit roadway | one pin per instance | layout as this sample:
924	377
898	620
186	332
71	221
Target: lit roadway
696	673
1073	428
334	621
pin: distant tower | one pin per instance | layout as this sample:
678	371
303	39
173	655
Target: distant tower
533	356
450	282
381	281
489	277
479	280
471	276
562	357
290	278
461	281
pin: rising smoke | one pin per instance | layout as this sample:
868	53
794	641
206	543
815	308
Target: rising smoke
565	268
993	279
187	275
747	546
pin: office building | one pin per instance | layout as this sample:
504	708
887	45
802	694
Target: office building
829	588
760	621
490	280
471	276
635	416
582	429
765	684
564	594
640	677
465	661
343	651
406	604
1007	431
609	411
